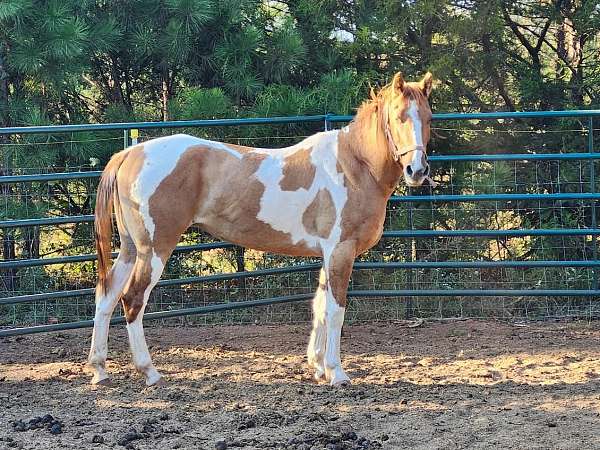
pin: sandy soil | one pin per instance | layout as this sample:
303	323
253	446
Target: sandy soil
468	384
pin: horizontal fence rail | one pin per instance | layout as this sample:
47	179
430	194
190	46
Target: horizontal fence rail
326	119
60	176
303	297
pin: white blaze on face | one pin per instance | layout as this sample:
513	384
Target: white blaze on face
415	119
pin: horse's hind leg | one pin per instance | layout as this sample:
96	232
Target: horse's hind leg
105	305
146	273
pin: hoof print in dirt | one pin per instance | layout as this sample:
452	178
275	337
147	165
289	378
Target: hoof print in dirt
129	437
220	445
48	422
349	436
247	424
150	428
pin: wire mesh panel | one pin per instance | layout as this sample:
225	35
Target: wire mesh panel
504	186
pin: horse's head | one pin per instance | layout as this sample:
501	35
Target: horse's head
407	117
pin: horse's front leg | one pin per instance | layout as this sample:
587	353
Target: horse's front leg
329	312
318	335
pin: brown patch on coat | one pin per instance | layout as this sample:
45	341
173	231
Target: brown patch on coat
232	215
298	171
133	296
340	269
177	198
241	149
134	234
319	217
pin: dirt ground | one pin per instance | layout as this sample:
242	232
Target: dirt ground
467	384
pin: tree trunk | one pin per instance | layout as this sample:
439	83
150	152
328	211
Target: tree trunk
8	241
570	54
31	245
165	98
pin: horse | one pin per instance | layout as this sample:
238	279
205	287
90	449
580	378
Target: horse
323	197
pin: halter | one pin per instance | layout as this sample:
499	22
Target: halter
398	153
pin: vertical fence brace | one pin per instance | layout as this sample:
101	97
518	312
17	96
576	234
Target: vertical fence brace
593	190
327	121
410	257
125	138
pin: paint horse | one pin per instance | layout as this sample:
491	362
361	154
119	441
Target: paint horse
325	196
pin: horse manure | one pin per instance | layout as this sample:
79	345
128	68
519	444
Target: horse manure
131	435
97	439
48	422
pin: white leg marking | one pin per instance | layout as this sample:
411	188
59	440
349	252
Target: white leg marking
135	329
333	364
105	305
318	335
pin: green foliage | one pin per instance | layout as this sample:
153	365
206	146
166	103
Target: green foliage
69	61
284	52
197	103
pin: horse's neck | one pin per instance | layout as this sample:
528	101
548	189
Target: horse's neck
367	143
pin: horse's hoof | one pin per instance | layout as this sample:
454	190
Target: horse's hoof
319	375
102	382
158	383
342	384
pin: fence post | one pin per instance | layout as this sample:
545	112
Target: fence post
410	256
593	190
125	138
326	120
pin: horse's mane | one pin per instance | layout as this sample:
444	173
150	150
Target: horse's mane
374	104
410	91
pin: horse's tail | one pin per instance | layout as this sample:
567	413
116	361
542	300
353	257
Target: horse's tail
103	225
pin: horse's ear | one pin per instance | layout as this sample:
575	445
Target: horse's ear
398	83
427	84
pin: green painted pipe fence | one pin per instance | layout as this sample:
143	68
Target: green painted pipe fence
327	120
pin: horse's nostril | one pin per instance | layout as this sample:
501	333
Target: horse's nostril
409	171
426	170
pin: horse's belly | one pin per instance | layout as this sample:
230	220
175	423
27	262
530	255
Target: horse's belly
257	235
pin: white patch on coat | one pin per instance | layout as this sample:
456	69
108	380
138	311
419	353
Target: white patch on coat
161	157
283	210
